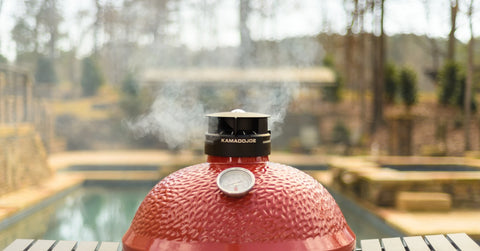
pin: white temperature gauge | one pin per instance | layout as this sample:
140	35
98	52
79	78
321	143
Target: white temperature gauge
235	181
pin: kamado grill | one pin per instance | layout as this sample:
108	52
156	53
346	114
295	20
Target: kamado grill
238	200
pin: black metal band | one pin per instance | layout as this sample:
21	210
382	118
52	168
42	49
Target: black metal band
237	146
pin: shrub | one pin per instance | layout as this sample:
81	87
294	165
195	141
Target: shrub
130	85
45	73
3	60
459	95
408	86
92	77
340	134
332	93
452	86
132	103
391	83
449	77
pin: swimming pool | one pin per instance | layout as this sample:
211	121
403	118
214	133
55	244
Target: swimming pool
104	212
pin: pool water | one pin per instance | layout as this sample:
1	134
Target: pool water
95	213
104	213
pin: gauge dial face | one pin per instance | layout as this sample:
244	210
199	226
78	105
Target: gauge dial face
235	181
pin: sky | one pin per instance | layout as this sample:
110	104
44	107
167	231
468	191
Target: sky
294	18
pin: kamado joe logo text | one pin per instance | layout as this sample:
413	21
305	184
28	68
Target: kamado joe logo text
239	141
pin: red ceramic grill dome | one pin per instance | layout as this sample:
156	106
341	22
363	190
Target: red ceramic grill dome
285	210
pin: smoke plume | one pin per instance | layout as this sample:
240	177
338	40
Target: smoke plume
177	116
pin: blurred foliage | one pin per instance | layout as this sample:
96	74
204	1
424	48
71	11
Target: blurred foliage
452	81
391	83
328	61
449	77
341	134
332	93
130	85
459	95
408	86
23	35
133	101
92	77
3	59
45	72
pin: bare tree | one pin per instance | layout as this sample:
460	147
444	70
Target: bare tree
97	25
453	28
157	18
469	82
246	43
378	50
45	18
350	43
432	46
50	20
361	64
1	4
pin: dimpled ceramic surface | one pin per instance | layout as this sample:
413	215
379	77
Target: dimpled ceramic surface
188	211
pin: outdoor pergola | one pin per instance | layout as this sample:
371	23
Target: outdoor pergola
311	77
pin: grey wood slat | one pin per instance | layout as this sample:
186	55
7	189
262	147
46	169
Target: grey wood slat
42	245
416	243
393	244
19	244
64	246
440	243
371	245
86	246
464	242
109	246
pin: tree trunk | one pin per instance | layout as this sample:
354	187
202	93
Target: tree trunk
469	82
350	46
453	28
360	67
1	4
246	45
348	49
378	72
96	26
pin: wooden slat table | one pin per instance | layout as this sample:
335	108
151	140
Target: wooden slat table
47	245
449	242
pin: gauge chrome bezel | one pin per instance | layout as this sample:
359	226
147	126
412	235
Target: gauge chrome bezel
241	192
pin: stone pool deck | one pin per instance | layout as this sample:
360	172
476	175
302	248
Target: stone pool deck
365	181
411	223
23	199
418	223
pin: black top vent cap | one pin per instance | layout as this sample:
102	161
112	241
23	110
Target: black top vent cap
237	134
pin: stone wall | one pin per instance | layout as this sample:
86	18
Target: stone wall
369	182
23	159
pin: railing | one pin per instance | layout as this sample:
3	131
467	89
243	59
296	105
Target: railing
18	104
16	97
449	242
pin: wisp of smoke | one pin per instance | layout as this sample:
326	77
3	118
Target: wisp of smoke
174	117
177	116
272	99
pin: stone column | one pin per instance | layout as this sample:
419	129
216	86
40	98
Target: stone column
2	98
15	97
9	109
27	98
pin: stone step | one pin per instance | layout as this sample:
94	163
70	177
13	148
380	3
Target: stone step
423	201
